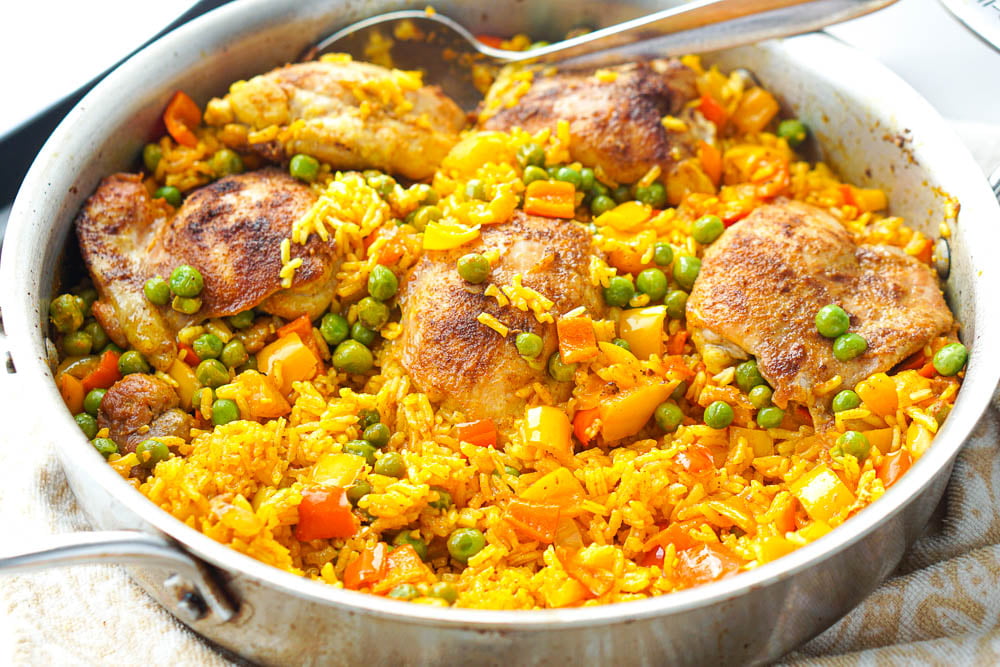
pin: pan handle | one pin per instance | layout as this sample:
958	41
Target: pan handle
198	595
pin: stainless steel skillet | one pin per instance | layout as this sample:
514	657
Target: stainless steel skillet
871	127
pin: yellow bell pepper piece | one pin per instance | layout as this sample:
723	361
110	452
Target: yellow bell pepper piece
444	235
626	413
558	487
879	394
616	354
287	360
761	441
822	494
642	329
337	469
187	382
625	217
918	439
548	428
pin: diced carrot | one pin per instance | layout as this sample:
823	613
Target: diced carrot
755	111
181	117
187	355
71	390
583	424
490	40
893	466
536	521
713	111
325	513
368	568
577	341
106	373
705	563
482	432
711	161
289	359
551	199
403	566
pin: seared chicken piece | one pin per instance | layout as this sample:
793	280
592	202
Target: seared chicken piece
614	123
137	401
466	365
231	231
764	279
351	115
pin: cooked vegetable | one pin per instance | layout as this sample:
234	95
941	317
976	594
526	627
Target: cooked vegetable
377	434
150	452
226	162
186	281
288	360
845	400
619	291
707	228
854	443
550	199
303	167
686	269
531	154
482	432
406	538
748	375
132	362
464	543
182	117
654	194
92	401
234	354
382	283
207	346
793	130
832	321
718	415
87	424
363	334
157	291
770	417
105	446
211	373
325	513
361	448
849	346
559	371
668	416
334	328
66	313
760	396
170	194
474	268
151	156
352	357
577	341
950	359
529	345
652	282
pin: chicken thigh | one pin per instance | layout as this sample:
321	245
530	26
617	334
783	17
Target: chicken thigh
764	279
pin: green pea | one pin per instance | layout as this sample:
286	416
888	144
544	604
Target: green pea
391	465
361	448
622	343
653	282
950	359
186	281
405	537
622	194
157	291
474	268
512	471
186	305
382	283
404	592
531	155
199	394
363	334
855	443
793	131
424	215
249	365
663	254
707	228
569	175
601	204
529	345
464	543
132	362
425	193
353	357
600	190
445	591
587	179
151	156
849	346
619	291
234	354
832	321
334	328
151	452
89	296
654	194
686	270
367	417
304	167
845	400
242	320
532	174
760	396
676	303
66	313
680	391
207	346
77	344
226	162
718	415
171	194
87	424
358	490
378	435
770	417
668	416
106	446
748	375
92	401
476	189
372	314
443	501
99	339
224	411
559	371
212	373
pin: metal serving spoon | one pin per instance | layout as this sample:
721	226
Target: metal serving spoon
691	27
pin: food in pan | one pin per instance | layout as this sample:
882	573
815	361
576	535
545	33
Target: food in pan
613	338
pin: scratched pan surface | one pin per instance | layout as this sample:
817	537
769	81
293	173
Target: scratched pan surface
871	127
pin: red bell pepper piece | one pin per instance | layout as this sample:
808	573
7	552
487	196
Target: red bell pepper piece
368	568
325	513
106	373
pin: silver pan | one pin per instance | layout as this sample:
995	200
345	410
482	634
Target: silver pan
871	127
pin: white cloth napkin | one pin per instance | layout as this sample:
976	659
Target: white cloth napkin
943	604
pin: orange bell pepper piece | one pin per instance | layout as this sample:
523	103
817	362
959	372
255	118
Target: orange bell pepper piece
551	199
711	161
482	432
755	111
713	111
537	521
583	424
181	117
577	341
71	390
626	413
893	466
368	568
289	359
705	563
490	40
106	373
676	534
403	566
325	513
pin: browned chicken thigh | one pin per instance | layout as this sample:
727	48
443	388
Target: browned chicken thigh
466	365
614	121
764	279
351	115
231	231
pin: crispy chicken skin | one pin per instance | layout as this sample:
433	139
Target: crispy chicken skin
231	231
465	364
139	400
343	117
614	124
764	279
